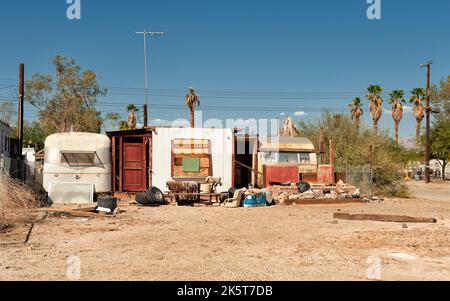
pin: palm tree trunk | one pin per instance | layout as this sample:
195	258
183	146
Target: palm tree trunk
418	124
192	116
396	132
358	125
375	127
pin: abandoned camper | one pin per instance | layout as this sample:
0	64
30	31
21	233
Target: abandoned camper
288	159
76	167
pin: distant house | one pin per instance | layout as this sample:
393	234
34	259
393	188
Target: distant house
5	147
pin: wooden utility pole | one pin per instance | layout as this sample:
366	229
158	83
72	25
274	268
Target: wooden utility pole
321	146
21	109
145	116
371	171
427	65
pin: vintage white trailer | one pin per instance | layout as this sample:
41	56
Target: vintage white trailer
77	166
192	154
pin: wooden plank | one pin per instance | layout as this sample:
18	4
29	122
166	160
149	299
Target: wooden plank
74	213
201	142
178	172
179	151
384	218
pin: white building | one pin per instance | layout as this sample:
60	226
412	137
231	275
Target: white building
436	169
210	152
5	131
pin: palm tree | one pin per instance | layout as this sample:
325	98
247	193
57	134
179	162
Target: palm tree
417	95
376	104
123	126
192	101
397	100
132	109
357	111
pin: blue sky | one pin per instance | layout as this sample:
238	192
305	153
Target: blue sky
299	56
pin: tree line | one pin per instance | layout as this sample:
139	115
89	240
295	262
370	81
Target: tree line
440	132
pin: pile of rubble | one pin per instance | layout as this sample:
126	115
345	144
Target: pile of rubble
282	195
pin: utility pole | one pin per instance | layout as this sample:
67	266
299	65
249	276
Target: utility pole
21	109
146	33
371	171
427	65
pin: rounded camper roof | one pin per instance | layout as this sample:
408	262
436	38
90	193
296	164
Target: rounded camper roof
288	144
77	141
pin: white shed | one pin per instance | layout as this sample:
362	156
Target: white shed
192	154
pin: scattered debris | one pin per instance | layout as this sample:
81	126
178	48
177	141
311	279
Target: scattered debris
384	218
405	226
293	194
107	204
76	213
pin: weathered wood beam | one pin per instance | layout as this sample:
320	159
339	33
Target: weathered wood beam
384	218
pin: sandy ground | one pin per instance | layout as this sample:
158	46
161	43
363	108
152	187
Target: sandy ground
275	243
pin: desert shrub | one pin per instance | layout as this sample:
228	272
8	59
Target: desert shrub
395	189
16	201
352	150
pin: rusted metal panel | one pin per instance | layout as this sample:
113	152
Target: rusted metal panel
325	174
134	167
281	174
308	177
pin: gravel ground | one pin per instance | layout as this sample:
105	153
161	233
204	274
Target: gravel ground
274	243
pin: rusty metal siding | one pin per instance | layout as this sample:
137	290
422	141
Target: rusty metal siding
325	174
281	173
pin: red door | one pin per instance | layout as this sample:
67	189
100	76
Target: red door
134	169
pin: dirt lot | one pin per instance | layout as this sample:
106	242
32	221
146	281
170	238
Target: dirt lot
275	243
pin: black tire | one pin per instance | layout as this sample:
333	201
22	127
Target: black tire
141	198
303	187
155	194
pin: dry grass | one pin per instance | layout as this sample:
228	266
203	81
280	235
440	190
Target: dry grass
16	202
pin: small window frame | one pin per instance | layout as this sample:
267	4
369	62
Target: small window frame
96	158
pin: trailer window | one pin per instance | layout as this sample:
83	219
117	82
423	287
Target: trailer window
291	158
79	159
286	158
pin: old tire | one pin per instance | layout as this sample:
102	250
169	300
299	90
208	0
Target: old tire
141	198
156	195
303	187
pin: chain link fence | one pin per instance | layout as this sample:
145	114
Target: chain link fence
361	178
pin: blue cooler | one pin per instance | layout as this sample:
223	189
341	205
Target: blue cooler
255	200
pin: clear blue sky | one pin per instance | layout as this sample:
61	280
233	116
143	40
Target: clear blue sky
326	48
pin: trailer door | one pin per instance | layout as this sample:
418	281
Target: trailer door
134	169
